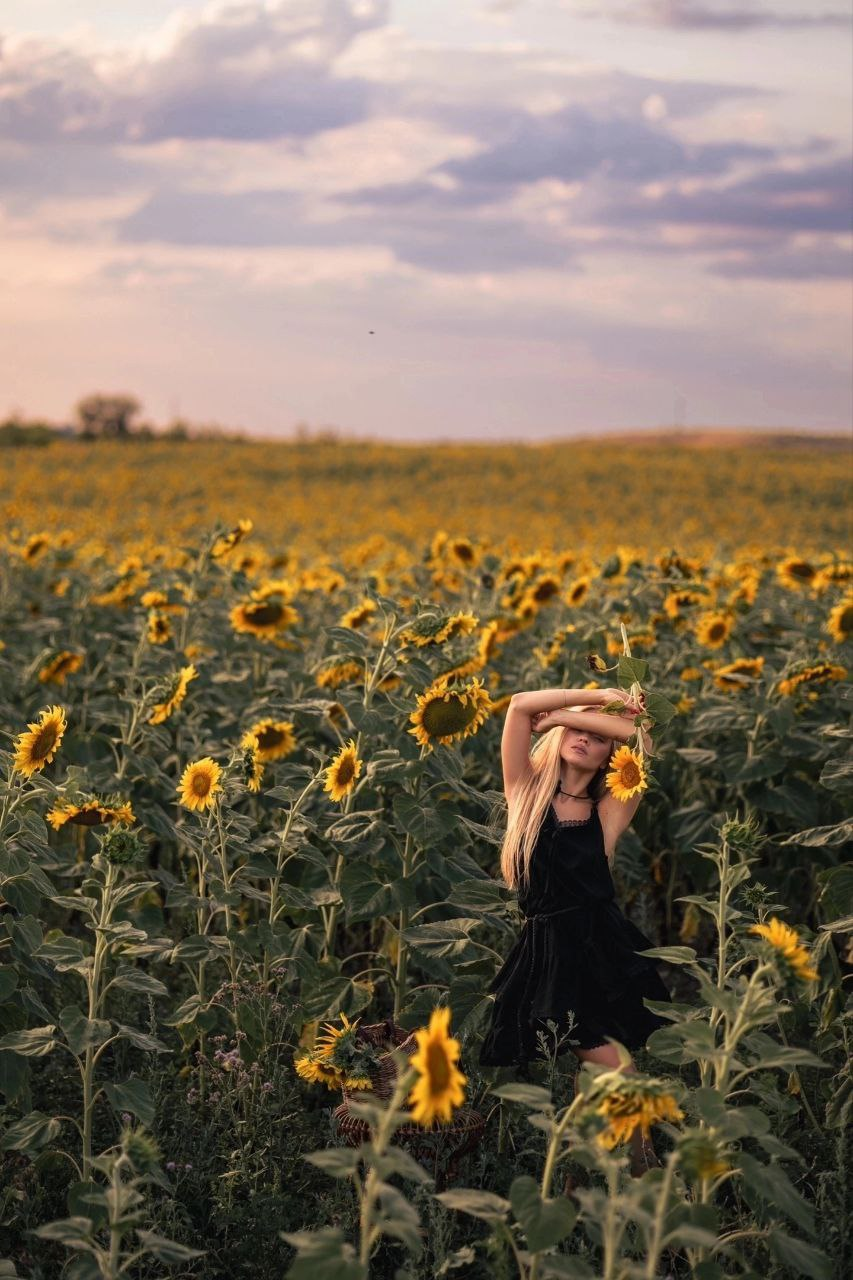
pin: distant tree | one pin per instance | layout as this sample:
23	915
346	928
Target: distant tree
107	417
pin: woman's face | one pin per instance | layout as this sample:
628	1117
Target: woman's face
585	749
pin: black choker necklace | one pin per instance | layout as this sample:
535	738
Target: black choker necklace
570	795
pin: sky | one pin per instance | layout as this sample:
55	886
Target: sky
481	220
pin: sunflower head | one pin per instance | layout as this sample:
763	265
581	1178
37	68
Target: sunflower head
199	785
784	948
37	746
627	775
446	713
343	771
438	1088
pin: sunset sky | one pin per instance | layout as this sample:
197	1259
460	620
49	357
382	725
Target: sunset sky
556	216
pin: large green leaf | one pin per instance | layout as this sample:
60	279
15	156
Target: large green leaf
33	1043
132	1095
81	1032
544	1221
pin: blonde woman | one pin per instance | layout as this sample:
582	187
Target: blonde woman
576	951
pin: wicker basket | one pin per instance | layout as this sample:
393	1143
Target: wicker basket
438	1148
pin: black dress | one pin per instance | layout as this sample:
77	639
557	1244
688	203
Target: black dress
576	951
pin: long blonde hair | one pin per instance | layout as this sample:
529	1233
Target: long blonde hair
530	800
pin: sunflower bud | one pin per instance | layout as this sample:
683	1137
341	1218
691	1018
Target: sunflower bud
121	847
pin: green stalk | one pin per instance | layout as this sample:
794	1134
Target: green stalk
93	983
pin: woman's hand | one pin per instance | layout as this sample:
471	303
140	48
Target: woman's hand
543	720
631	706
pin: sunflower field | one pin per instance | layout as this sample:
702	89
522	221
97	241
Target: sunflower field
250	819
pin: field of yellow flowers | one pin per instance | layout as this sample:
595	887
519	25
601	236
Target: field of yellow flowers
250	823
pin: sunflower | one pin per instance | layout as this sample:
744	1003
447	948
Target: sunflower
444	713
36	748
787	949
439	1086
326	1044
627	774
89	813
360	614
179	688
578	591
839	624
253	769
199	784
810	673
159	627
700	1155
343	771
713	628
632	1104
338	673
738	675
228	540
677	603
432	629
311	1066
275	739
795	573
264	616
64	664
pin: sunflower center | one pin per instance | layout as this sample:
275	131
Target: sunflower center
438	1068
200	784
268	738
630	774
442	718
264	614
345	772
717	631
44	742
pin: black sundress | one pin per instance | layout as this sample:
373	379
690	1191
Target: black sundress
576	951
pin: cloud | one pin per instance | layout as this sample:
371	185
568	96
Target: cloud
784	200
694	15
238	71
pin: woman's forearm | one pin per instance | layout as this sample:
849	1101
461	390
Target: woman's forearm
534	700
611	726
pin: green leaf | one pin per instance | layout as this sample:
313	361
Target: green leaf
130	979
142	1040
532	1095
844	925
82	1032
8	981
823	837
73	1232
837	774
132	1095
30	1133
772	1184
802	1259
34	1043
323	1254
479	1204
544	1222
337	1162
168	1251
444	938
673	955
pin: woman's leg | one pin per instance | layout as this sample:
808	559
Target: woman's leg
642	1151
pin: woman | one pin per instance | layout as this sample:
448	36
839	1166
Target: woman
576	950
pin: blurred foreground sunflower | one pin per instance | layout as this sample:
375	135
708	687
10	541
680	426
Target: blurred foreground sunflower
439	1086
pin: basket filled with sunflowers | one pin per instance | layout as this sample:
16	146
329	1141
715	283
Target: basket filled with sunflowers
360	1059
